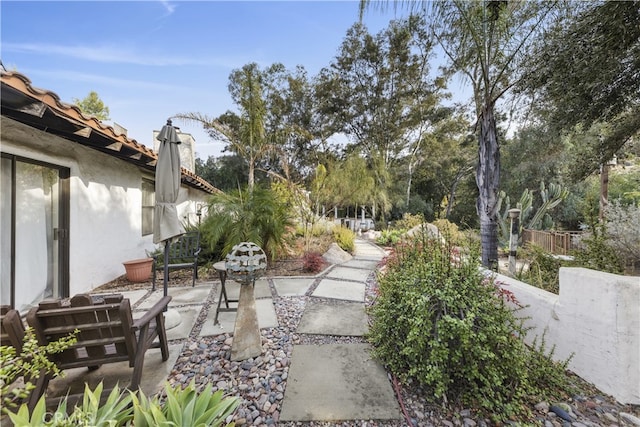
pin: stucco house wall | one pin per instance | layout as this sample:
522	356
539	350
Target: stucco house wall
105	203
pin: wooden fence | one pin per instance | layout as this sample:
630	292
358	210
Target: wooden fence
556	242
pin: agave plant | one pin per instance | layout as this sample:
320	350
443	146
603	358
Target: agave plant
184	407
115	411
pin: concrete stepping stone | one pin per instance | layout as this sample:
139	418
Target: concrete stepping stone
265	310
340	289
179	296
342	319
186	319
292	287
368	250
261	290
132	296
337	382
346	273
361	263
154	374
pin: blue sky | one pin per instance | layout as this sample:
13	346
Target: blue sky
149	60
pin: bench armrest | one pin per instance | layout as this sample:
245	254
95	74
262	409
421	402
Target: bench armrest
157	309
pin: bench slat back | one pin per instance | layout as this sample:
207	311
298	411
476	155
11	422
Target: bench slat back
187	246
104	327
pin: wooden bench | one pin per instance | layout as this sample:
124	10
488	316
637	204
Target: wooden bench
182	254
12	332
107	331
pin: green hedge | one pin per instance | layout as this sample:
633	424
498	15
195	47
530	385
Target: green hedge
440	322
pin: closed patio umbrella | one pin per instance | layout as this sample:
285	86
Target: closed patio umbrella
166	224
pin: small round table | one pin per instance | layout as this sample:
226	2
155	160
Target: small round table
222	273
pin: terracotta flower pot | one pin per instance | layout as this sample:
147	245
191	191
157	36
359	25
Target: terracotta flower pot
138	270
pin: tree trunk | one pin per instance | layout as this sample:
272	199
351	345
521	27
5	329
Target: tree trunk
251	177
488	181
454	187
408	194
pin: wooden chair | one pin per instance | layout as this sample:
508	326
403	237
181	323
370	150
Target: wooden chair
107	331
12	328
182	254
12	332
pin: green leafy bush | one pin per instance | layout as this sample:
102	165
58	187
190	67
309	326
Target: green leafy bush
623	230
409	221
30	363
543	268
345	238
389	237
439	322
450	232
595	252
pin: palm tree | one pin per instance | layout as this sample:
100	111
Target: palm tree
257	216
245	132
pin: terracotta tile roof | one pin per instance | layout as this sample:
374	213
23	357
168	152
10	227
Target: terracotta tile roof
43	109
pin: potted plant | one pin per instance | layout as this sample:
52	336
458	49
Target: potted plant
138	270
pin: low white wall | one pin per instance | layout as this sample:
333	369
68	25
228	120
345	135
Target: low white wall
596	318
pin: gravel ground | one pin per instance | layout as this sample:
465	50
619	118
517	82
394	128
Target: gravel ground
261	382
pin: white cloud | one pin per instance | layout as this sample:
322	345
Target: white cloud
104	80
170	8
119	55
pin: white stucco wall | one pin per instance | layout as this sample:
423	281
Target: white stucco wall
596	317
105	204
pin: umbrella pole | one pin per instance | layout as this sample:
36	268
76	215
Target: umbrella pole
166	267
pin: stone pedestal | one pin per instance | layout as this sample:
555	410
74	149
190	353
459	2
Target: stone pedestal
246	333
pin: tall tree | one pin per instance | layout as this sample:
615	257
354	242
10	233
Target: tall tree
485	41
290	122
587	70
245	132
347	183
270	129
227	172
93	105
379	93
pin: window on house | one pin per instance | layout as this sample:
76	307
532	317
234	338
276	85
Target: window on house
148	206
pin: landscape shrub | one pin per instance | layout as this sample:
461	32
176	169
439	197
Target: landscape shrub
312	262
389	237
174	406
450	232
345	238
183	407
409	221
623	230
596	252
543	269
115	411
442	324
32	361
257	216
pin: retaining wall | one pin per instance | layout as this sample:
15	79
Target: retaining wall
596	317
